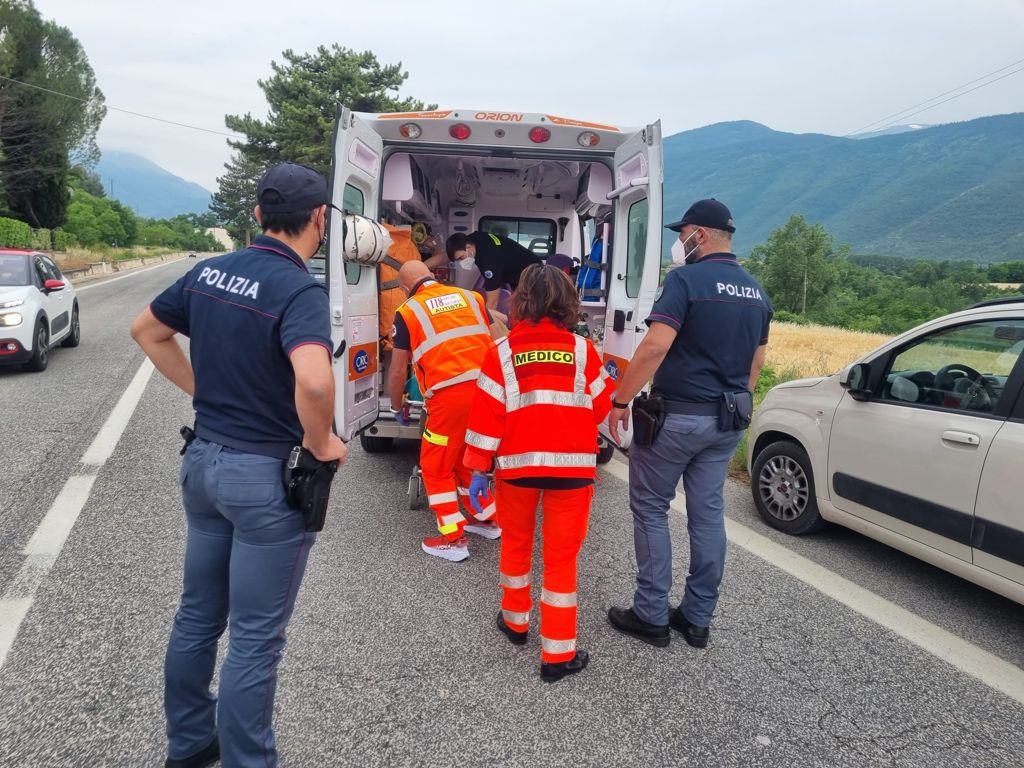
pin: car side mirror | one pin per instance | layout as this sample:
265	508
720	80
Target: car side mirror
856	382
53	285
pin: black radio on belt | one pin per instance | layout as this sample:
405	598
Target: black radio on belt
188	435
307	482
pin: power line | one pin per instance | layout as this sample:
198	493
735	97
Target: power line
125	111
901	116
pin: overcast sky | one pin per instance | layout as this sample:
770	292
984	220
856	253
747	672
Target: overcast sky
826	66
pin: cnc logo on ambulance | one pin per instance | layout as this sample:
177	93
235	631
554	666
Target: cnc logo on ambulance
361	361
448	303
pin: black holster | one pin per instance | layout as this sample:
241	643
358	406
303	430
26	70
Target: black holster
648	419
307	483
735	410
188	435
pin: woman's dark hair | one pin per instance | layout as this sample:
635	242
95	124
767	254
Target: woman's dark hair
290	223
545	292
456	242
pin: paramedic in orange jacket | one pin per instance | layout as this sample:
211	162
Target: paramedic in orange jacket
541	394
444	331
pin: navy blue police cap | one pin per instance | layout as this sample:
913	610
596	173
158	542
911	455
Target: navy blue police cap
705	213
291	188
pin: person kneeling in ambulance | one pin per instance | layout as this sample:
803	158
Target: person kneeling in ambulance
540	395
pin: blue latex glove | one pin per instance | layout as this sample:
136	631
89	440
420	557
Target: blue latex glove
401	418
478	487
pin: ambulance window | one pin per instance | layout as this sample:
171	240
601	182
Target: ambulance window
352	201
636	246
537	235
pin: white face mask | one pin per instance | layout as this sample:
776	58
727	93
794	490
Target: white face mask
467	263
680	253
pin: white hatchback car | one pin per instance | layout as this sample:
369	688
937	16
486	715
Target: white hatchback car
38	309
920	445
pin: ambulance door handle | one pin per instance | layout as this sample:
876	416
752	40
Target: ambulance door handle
964	438
341	349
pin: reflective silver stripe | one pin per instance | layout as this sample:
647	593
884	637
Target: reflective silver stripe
546	459
475	307
558	599
436	339
462	378
581	365
442	498
512	617
452	519
421	317
514	582
483	442
462	491
491	387
557	646
508	369
488	512
597	385
549	397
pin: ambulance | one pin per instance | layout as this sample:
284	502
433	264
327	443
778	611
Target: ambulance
542	180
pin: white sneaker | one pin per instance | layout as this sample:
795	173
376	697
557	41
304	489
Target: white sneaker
440	546
486	528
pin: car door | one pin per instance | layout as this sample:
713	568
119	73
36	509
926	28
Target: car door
356	178
635	254
48	300
910	458
999	515
60	301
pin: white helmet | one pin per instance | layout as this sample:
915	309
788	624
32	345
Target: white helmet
365	241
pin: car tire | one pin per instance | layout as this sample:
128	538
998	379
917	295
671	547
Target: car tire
376	444
40	348
782	484
75	337
605	450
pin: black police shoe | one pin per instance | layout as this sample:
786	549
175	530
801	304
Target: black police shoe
516	638
627	622
552	673
209	755
694	635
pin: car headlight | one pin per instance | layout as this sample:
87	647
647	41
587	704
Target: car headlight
11	319
11	303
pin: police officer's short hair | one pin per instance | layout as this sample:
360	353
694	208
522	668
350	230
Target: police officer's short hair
456	242
292	223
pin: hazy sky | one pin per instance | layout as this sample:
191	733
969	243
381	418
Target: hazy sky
827	66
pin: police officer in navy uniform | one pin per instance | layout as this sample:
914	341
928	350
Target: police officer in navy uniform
708	336
261	382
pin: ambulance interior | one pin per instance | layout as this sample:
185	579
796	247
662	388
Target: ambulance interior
547	205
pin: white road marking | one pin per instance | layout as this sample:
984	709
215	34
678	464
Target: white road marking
106	439
46	543
132	273
983	666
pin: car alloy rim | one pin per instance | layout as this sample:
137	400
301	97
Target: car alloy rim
41	344
783	488
76	328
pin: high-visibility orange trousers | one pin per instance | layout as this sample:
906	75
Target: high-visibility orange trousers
563	529
445	478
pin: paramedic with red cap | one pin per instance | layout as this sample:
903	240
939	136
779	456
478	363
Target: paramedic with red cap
444	332
539	398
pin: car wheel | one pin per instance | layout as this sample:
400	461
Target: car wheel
75	337
782	484
605	450
376	444
41	348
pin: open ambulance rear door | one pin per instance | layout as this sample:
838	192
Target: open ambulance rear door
635	263
355	181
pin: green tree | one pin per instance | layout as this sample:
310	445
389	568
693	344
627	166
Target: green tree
235	197
797	266
41	128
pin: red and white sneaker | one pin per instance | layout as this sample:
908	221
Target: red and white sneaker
440	546
486	528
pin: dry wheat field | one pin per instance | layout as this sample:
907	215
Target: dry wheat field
798	351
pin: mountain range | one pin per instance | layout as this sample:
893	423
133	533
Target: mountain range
148	189
941	192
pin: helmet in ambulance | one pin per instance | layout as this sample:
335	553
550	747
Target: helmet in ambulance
364	241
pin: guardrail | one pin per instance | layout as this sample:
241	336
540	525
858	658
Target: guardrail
102	268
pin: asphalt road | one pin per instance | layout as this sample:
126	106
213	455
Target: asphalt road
393	658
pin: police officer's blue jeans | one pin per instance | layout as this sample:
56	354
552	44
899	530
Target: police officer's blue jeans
694	448
245	556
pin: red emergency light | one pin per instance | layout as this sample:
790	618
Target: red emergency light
539	135
459	131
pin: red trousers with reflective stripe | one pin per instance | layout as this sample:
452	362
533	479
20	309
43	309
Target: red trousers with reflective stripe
563	529
442	447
